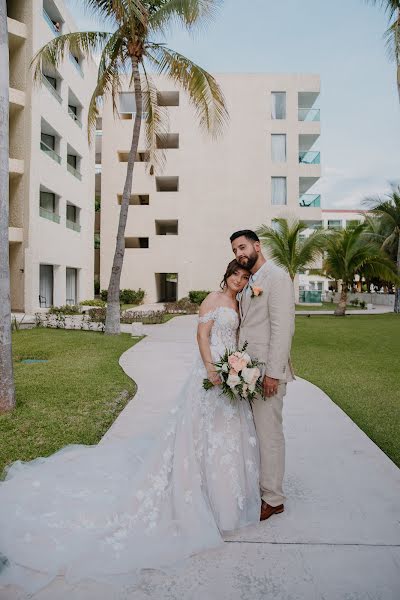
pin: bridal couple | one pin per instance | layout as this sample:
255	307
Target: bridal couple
105	512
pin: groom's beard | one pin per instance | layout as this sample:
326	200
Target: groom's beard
248	261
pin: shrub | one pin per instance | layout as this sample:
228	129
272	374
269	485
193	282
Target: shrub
197	296
147	318
131	296
363	304
126	296
354	302
182	306
67	309
95	302
98	315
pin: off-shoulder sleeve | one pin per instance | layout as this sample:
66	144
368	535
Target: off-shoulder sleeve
209	316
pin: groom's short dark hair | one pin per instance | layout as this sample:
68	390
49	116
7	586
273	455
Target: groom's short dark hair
247	233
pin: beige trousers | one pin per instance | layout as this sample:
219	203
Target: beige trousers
268	421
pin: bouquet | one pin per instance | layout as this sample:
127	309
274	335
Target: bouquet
240	375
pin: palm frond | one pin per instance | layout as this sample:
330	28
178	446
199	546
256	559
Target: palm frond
189	13
117	11
390	7
156	124
203	90
81	43
109	81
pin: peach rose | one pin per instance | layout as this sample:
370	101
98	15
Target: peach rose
257	291
233	380
237	363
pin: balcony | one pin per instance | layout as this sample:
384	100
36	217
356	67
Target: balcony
310	157
52	24
16	99
74	117
50	215
15	235
309	114
76	64
74	172
15	167
310	200
50	152
51	89
17	32
72	225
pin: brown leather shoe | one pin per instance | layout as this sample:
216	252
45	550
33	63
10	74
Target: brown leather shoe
267	511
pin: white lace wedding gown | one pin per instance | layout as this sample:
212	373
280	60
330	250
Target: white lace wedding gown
104	512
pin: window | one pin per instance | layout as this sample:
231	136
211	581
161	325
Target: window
48	140
166	227
168	140
136	242
167	184
136	199
278	147
168	98
278	109
71	286
48	201
279	195
127	102
72	160
334	224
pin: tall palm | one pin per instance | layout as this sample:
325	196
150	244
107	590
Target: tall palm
350	252
7	391
392	34
384	222
126	51
288	246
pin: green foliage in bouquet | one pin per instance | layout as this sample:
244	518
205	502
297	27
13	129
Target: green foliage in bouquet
240	375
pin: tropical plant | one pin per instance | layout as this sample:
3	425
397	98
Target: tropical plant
383	222
352	251
7	389
289	247
392	34
125	52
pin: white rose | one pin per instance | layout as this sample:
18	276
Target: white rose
245	389
250	376
233	381
246	357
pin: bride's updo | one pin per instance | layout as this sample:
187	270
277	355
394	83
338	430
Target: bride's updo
233	266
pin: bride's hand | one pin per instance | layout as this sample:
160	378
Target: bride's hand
214	377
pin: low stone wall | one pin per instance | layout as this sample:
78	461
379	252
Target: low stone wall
376	299
60	321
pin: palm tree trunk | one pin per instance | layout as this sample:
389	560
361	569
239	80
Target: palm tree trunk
341	307
397	292
7	390
112	325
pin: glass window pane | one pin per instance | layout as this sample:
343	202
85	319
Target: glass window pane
278	147
278	190
278	105
127	102
47	201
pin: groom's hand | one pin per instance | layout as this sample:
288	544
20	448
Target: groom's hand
270	386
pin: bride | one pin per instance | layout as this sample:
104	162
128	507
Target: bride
105	512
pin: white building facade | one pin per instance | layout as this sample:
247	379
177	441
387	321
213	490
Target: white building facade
266	165
51	165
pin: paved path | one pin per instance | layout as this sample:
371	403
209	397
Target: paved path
339	538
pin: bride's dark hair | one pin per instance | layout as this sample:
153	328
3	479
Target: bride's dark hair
233	266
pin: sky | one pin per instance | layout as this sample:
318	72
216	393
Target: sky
341	41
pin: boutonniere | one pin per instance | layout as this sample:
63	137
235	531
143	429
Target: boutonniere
256	291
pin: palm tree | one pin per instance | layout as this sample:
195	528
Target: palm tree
7	390
126	51
352	251
392	34
288	246
384	223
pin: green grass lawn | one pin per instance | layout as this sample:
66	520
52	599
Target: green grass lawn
74	398
325	306
356	362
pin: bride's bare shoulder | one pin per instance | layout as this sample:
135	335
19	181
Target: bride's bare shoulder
210	303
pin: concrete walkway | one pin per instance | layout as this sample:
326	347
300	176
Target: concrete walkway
339	537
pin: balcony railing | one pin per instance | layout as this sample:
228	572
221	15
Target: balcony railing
74	172
310	296
51	89
50	152
50	215
308	200
74	117
76	64
72	225
309	114
310	157
98	169
50	23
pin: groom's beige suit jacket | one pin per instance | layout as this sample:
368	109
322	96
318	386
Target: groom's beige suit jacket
267	321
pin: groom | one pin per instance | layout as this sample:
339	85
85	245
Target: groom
267	323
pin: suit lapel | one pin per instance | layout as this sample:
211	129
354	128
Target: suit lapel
246	298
